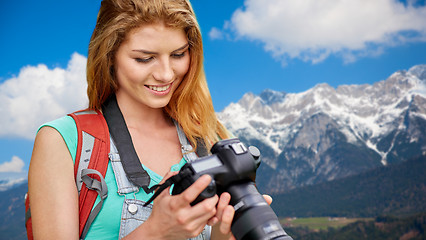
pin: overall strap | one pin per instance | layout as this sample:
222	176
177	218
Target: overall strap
187	150
186	147
124	186
91	164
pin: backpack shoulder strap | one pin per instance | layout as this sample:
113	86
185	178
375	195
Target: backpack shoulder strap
28	221
91	163
90	167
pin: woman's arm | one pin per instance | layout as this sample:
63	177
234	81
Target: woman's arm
52	189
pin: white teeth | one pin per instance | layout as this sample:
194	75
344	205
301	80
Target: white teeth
159	89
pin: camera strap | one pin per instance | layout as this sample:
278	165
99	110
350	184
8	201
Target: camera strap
129	159
172	180
123	141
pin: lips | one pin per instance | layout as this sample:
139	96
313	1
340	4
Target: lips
163	89
158	88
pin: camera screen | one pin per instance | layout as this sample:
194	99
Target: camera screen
202	165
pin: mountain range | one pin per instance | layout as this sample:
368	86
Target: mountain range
393	190
328	133
340	143
12	213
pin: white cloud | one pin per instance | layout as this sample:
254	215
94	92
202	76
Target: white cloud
312	30
15	165
215	33
39	94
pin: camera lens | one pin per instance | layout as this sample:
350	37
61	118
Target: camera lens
254	219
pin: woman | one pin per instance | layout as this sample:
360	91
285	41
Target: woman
146	55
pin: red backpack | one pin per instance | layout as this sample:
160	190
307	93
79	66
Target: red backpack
90	167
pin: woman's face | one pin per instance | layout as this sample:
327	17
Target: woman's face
151	63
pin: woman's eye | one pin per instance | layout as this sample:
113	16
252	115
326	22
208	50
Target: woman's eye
143	60
178	55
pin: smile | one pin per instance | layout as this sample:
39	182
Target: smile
159	88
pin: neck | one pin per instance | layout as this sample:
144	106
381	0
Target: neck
136	114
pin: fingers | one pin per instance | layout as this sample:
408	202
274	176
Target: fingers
223	202
178	214
192	192
207	210
222	230
225	213
227	216
212	221
224	216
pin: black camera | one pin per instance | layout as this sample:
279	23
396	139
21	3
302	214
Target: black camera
232	167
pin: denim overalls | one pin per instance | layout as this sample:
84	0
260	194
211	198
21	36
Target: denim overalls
133	213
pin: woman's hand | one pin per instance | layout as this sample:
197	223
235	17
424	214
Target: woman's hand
173	217
223	220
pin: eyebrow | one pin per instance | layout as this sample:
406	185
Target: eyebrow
150	52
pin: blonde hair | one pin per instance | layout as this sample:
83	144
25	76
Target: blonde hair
191	105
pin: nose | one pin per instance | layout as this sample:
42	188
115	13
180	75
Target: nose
164	71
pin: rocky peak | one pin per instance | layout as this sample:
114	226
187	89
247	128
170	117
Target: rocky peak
326	133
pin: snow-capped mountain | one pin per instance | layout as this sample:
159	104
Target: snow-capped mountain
11	183
9	180
327	133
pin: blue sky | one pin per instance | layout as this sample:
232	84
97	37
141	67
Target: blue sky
250	45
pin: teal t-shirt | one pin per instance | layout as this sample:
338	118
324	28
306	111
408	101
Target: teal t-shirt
107	223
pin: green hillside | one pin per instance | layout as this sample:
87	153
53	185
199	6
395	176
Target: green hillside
399	189
382	228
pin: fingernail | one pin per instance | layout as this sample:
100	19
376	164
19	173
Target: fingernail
206	178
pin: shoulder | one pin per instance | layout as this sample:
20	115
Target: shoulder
64	127
51	159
